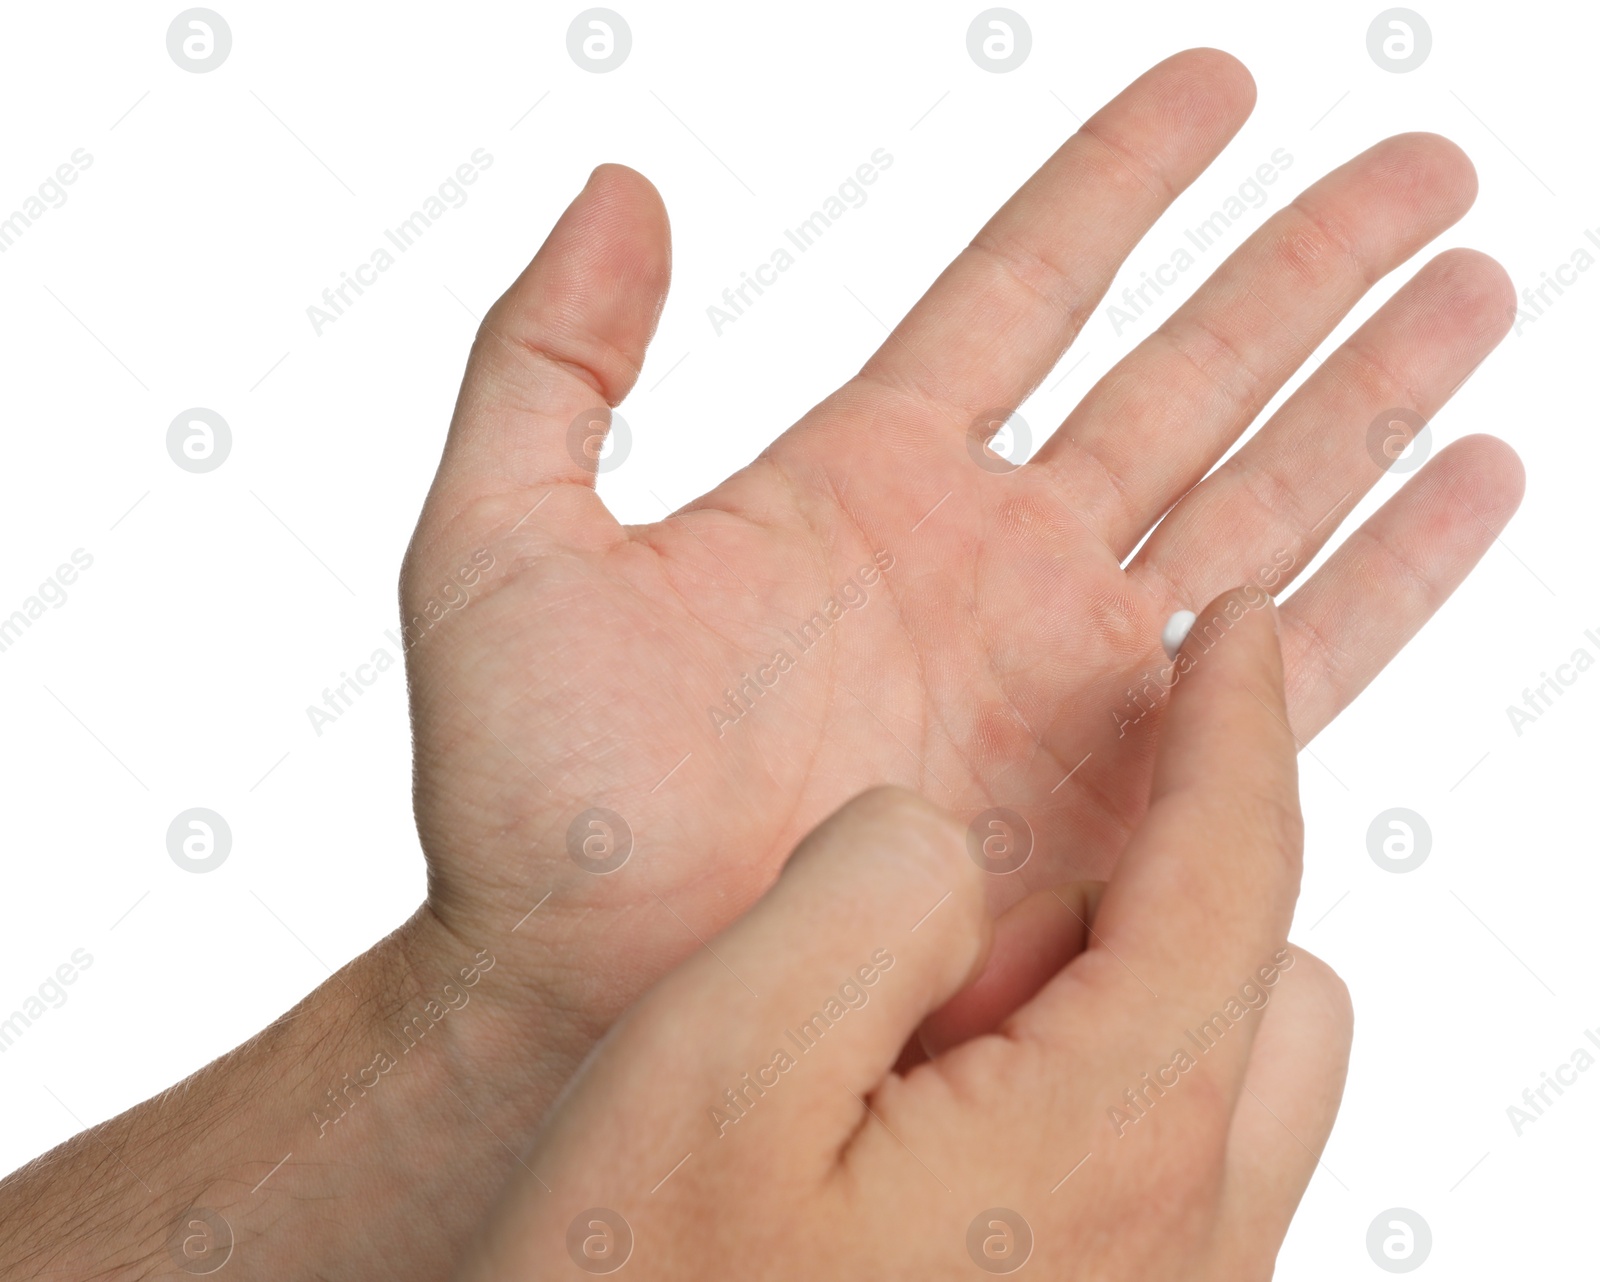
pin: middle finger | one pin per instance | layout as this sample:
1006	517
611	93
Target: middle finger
1154	425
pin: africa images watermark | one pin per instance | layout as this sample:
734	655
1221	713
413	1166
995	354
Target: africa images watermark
51	995
1566	1074
339	699
51	194
1539	699
739	1099
52	592
1253	995
343	1098
1251	194
1150	690
1537	300
450	194
850	194
740	700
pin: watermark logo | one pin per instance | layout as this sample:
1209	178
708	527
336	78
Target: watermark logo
599	40
51	194
599	1240
1399	441
999	1240
1536	1099
339	1101
1539	699
1399	1240
1150	689
799	239
199	840
999	40
999	841
199	40
999	440
739	1099
1399	40
199	440
741	699
1399	840
337	300
599	840
1136	300
50	995
1252	995
1537	300
50	595
599	440
201	1241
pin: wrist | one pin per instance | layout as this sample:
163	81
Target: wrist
485	1026
362	1134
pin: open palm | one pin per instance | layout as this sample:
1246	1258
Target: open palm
876	599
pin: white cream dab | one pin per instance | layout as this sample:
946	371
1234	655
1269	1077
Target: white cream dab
1172	636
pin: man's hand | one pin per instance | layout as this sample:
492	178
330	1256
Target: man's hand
1153	1111
588	697
866	604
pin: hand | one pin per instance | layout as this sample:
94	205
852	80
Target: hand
560	662
1154	1111
1001	657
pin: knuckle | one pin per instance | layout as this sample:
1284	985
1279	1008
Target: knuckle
1311	251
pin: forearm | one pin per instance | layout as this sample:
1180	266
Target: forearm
363	1134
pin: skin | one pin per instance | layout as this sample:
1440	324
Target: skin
839	1166
560	662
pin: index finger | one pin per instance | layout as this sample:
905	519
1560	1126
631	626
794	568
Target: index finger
1200	904
1000	316
1204	893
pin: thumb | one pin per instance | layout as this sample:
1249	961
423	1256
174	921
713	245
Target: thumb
566	340
781	1025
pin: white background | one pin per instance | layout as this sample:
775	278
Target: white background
178	672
